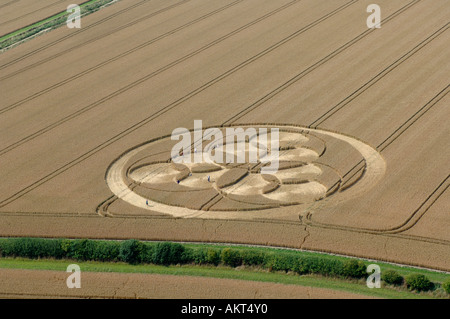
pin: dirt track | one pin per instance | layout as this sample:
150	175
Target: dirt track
52	284
75	100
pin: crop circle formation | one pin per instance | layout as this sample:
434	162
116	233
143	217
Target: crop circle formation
146	176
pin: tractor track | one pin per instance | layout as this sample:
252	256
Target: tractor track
86	28
147	43
311	68
165	108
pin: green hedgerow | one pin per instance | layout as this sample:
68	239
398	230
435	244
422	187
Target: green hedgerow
303	266
130	251
196	255
268	260
147	252
252	258
32	248
65	246
284	262
354	269
231	257
418	282
330	267
213	256
391	277
446	286
168	253
82	249
106	251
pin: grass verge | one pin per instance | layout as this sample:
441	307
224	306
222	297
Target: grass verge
52	22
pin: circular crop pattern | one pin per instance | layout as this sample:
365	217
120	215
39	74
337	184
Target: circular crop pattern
232	174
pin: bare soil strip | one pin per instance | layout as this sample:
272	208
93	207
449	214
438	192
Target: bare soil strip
52	284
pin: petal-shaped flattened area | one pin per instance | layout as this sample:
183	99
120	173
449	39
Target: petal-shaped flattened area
293	138
299	193
205	168
251	184
299	154
298	174
273	181
289	164
231	177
